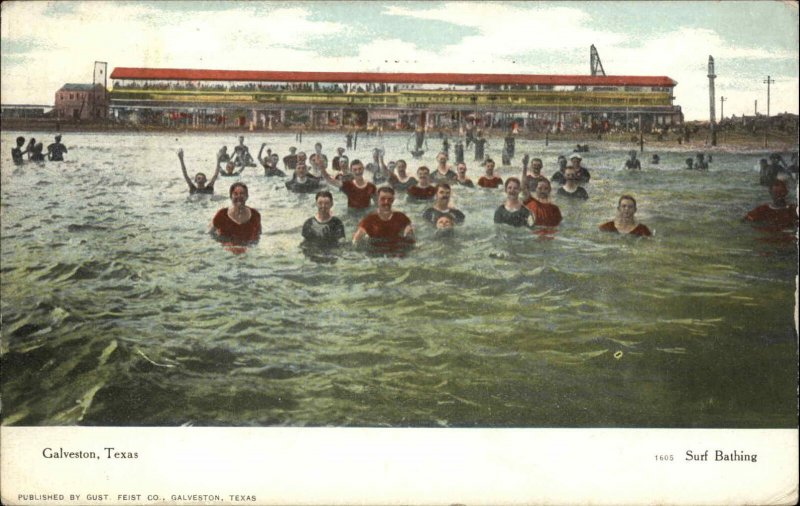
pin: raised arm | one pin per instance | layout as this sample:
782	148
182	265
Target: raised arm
216	172
183	168
384	168
260	151
330	180
526	192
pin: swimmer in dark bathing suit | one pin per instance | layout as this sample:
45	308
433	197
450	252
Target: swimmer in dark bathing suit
17	152
56	150
270	163
441	207
399	180
323	229
461	176
200	185
512	212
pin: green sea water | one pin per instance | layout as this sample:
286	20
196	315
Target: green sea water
119	309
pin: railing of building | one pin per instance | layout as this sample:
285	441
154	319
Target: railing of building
505	99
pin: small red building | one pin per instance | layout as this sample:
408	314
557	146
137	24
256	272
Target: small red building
81	101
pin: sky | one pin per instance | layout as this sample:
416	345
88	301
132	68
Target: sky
47	44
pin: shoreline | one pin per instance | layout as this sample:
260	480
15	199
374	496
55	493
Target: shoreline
726	141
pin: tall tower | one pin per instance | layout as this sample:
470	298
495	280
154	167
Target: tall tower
100	68
596	66
711	77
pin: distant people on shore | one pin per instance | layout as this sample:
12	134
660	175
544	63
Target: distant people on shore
237	223
359	191
423	190
625	221
17	152
399	179
461	176
571	187
489	179
778	214
387	231
441	207
632	163
512	212
200	184
323	229
56	150
270	162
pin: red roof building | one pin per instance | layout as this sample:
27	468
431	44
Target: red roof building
260	98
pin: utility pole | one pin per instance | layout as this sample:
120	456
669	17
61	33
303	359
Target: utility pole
711	77
722	108
768	81
755	109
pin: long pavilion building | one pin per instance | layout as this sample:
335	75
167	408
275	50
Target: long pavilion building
262	99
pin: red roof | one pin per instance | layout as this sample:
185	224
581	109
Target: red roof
385	77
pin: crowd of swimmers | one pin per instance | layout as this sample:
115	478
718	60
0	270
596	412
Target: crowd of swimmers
527	201
34	151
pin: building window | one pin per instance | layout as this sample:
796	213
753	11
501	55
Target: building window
71	96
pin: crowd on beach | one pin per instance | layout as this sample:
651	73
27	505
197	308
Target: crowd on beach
371	190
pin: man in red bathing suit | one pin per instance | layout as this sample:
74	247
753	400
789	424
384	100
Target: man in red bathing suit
237	223
358	190
544	212
386	229
423	190
625	223
777	215
489	180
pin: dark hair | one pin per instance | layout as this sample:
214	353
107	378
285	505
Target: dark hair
386	189
626	197
536	160
323	193
398	162
510	180
424	167
442	185
241	185
355	162
779	183
488	160
20	140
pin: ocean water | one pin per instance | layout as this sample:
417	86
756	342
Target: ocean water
119	309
